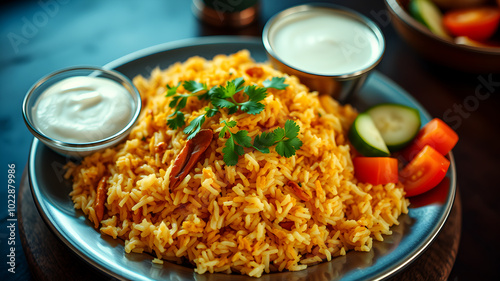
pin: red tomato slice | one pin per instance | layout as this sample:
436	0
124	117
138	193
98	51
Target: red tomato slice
476	23
424	172
376	170
437	195
436	134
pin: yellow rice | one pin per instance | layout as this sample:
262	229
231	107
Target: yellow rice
226	218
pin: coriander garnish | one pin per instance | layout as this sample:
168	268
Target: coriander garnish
234	144
285	139
179	101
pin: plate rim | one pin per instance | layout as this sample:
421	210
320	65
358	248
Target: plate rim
423	245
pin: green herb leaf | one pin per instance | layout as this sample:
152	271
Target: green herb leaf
239	149
255	93
211	111
172	90
232	110
288	147
177	121
216	92
238	83
291	129
231	88
194	127
230	156
263	141
242	138
174	101
296	143
213	92
222	132
280	148
276	83
182	103
279	134
285	146
232	151
262	149
234	144
194	86
179	102
230	124
252	107
287	141
221	103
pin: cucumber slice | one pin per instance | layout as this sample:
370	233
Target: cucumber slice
366	138
398	124
426	12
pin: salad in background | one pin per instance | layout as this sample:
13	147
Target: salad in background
391	147
468	22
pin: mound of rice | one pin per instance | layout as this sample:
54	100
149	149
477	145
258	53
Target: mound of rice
227	218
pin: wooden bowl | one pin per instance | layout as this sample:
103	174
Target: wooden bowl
441	50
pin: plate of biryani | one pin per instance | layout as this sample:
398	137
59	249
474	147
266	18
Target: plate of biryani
256	184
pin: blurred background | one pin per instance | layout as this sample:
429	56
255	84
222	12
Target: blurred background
39	37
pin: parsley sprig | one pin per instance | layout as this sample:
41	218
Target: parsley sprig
195	126
285	139
276	83
221	97
234	144
179	101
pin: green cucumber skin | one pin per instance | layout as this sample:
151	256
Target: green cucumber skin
400	145
361	146
416	12
363	149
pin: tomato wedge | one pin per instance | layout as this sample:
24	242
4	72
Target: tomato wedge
476	23
424	172
376	170
436	134
437	195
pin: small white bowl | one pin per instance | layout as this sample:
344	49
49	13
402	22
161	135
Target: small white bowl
84	148
337	82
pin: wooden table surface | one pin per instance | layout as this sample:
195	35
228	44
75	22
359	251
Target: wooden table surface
97	32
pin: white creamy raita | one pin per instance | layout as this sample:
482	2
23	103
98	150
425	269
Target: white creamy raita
325	42
83	109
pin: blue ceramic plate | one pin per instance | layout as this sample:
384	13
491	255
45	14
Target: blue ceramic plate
414	234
